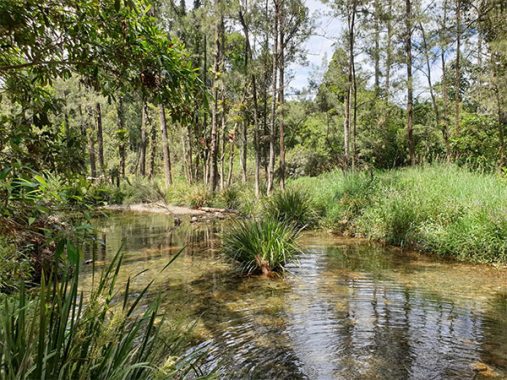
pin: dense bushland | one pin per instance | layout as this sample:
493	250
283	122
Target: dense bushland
441	209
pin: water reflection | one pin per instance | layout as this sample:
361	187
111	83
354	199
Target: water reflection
347	311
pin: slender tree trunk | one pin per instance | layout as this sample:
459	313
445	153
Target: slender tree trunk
91	153
231	161
248	58
165	147
281	91
121	126
351	15
376	51
100	139
213	164
458	70
445	91
354	108
389	52
410	90
272	132
224	142
142	156
428	75
244	152
190	154
153	153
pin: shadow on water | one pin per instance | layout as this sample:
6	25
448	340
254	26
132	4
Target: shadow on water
348	310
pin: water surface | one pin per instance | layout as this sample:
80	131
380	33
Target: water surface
348	310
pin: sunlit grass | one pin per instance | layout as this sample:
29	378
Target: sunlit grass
261	246
442	209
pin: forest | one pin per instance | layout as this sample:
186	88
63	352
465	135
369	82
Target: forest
229	118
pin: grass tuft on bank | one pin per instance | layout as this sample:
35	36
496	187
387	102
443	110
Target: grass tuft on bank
441	209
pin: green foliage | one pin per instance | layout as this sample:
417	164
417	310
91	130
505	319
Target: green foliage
15	268
230	197
478	144
292	206
59	332
261	246
441	209
141	190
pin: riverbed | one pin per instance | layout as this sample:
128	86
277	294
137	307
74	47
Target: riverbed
348	309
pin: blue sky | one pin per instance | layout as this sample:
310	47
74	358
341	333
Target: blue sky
319	47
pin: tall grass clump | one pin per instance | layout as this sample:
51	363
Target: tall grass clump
261	246
58	332
443	209
292	206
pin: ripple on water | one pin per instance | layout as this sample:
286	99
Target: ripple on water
346	311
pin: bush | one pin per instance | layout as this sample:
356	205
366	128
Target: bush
15	268
230	198
261	246
292	206
141	190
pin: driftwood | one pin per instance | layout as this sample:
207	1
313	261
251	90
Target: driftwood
221	210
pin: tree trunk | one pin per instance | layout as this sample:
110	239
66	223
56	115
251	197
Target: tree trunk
224	142
376	52
428	75
281	91
272	131
100	139
458	70
153	153
231	161
91	153
244	151
410	90
121	126
445	91
142	157
213	164
248	57
389	52
165	147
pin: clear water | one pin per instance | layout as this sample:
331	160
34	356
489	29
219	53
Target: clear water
348	310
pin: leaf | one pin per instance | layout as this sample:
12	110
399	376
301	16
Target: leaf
31	220
72	253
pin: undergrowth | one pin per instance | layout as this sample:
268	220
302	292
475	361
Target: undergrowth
442	209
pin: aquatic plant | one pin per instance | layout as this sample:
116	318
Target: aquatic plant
59	332
261	246
293	206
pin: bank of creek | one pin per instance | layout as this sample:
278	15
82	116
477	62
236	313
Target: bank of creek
348	310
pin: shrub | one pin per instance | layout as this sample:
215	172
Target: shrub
15	268
261	246
141	190
292	206
230	198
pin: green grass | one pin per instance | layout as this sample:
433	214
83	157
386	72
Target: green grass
292	206
446	210
58	332
261	246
